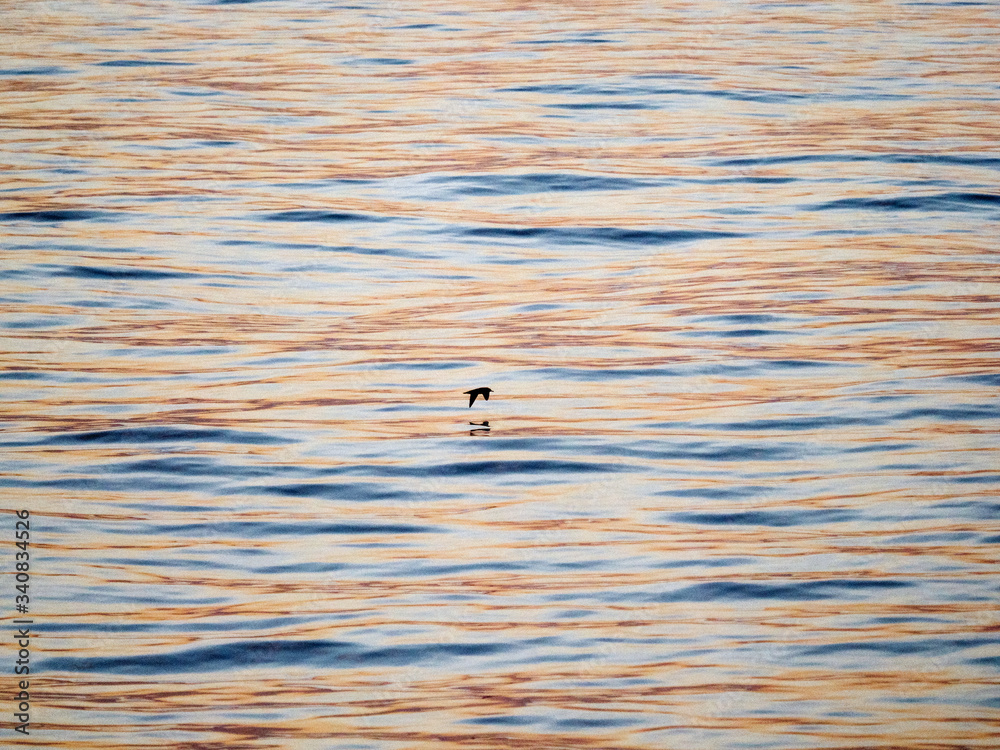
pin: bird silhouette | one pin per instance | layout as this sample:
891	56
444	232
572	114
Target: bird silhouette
484	392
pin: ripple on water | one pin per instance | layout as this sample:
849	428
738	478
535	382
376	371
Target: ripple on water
736	300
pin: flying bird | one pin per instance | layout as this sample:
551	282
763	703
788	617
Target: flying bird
484	392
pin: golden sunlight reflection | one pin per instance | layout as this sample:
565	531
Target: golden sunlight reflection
729	271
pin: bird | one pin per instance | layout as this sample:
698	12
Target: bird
484	392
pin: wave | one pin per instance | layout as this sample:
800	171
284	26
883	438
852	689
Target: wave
56	215
326	217
472	468
272	653
118	272
596	235
161	434
971	160
265	529
539	182
788	517
139	63
797	591
639	91
936	202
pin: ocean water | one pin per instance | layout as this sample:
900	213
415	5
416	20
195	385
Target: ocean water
729	268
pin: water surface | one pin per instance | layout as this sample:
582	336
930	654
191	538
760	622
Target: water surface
730	269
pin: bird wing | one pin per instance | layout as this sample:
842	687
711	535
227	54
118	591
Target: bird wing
484	392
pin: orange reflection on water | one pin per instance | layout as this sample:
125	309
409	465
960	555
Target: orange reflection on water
337	351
